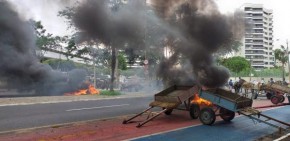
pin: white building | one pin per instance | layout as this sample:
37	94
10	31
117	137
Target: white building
258	40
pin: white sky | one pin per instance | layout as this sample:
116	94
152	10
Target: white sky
46	11
281	15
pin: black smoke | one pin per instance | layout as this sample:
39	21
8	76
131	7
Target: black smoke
19	66
194	30
202	32
109	22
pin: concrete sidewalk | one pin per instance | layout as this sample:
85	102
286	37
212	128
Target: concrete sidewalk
57	99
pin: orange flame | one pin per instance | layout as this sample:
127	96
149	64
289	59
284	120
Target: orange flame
91	90
200	101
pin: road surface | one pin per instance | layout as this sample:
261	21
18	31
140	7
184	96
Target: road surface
36	115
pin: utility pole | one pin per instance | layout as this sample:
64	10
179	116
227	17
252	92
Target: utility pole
251	68
95	83
288	60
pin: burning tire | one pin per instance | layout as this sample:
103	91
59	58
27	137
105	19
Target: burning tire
275	99
207	116
226	114
194	111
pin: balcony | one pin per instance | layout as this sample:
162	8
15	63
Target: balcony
262	53
258	17
260	59
249	36
258	43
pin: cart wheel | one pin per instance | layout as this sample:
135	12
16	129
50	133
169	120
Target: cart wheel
275	99
194	111
226	114
282	98
207	116
269	95
168	112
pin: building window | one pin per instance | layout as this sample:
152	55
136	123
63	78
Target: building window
248	8
257	14
257	20
248	40
257	9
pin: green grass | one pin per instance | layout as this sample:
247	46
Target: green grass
110	93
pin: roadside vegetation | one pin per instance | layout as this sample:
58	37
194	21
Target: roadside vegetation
110	93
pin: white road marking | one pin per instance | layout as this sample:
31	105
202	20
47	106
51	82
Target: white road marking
90	108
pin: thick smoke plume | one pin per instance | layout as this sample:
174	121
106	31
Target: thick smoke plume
203	31
19	66
194	30
110	24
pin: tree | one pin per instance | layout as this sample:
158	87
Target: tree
236	64
113	6
122	62
282	56
46	41
63	65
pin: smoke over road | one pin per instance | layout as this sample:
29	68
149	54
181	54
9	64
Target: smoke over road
195	30
19	66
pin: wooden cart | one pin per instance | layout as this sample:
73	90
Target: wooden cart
228	103
224	104
276	92
168	100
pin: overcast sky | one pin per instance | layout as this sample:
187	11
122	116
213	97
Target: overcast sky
46	11
281	14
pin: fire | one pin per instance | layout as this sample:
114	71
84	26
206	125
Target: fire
200	101
91	90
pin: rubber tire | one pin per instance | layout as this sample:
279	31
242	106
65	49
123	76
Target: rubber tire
282	99
194	111
207	116
275	99
226	114
269	95
168	112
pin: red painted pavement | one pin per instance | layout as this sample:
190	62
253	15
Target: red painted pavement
109	130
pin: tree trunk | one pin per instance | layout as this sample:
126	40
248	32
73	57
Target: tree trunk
283	72
113	68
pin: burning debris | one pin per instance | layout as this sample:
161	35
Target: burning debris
199	101
91	90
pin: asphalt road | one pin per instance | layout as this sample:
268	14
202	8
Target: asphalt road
37	115
241	128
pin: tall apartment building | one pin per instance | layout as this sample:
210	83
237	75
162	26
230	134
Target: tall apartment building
258	39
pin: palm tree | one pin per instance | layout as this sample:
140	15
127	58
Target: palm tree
282	56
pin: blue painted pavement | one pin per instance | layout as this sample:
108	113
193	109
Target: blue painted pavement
240	129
